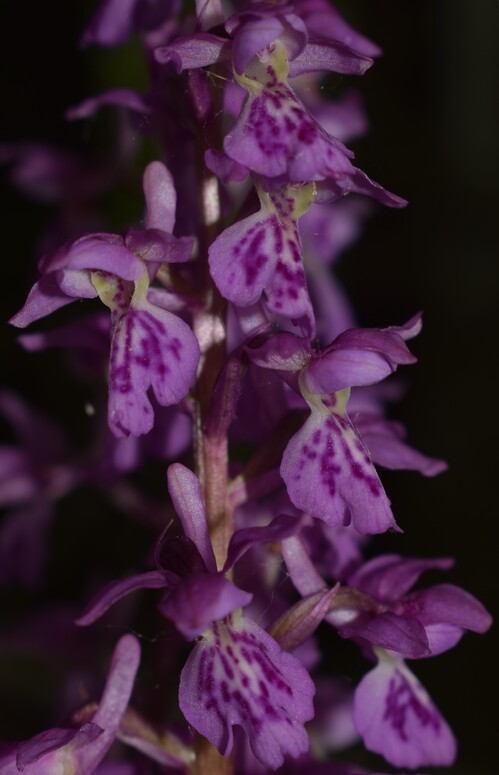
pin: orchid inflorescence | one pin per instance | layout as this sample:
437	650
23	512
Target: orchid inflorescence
228	343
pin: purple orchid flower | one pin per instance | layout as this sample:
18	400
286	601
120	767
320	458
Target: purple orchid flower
81	750
256	28
34	475
392	712
438	615
186	567
52	175
327	450
275	136
150	346
262	25
198	594
373	608
236	673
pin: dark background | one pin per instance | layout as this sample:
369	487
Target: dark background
433	102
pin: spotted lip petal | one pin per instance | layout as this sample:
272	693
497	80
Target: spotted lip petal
150	347
237	674
329	474
276	137
262	253
396	718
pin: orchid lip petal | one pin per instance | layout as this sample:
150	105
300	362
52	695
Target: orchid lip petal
238	674
329	474
262	254
397	719
150	347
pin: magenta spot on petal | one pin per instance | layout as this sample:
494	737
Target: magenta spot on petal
226	666
230	652
225	691
374	486
357	471
245	709
401	701
277	234
307	133
247	656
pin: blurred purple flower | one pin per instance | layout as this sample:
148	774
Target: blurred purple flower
81	750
